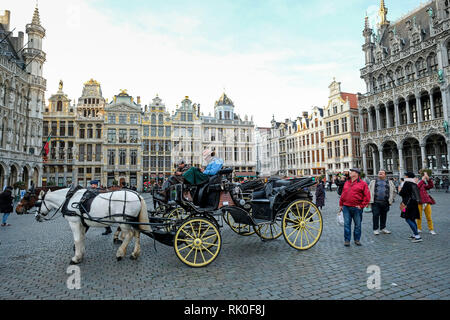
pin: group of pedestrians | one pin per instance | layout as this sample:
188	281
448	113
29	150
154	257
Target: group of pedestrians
379	194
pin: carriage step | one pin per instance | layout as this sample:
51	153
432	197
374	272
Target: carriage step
260	222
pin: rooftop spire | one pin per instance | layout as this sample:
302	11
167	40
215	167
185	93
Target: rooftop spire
36	19
366	22
383	13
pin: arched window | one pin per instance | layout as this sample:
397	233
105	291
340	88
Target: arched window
399	73
432	62
381	82
409	72
153	118
161	119
59	106
390	79
421	67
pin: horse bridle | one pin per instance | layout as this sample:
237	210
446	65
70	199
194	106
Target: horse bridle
39	216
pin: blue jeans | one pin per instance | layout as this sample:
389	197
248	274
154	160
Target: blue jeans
413	226
349	214
5	217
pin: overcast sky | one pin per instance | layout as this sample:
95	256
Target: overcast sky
271	57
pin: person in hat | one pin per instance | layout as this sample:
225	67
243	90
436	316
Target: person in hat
355	197
410	204
177	178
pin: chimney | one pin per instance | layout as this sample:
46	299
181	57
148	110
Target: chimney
5	19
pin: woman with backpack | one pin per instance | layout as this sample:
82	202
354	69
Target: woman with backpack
6	205
410	205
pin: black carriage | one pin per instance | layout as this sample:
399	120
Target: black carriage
278	207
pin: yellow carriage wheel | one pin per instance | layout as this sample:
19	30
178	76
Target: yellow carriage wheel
270	231
241	229
177	213
302	224
197	242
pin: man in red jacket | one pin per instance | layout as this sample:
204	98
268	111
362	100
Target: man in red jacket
355	197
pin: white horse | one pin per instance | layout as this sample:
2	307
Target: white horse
106	206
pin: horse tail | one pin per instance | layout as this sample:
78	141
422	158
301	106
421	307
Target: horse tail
143	216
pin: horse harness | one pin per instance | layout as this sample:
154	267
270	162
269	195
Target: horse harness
90	196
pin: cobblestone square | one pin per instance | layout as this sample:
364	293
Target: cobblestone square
35	257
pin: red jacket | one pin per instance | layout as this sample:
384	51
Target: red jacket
423	187
355	194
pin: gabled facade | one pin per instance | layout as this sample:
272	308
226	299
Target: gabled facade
342	136
122	148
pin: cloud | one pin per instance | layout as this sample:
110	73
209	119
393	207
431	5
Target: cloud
171	55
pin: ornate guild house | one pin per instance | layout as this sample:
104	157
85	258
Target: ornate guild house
22	90
405	113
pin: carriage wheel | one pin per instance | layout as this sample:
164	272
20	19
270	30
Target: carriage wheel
302	224
241	229
178	213
197	242
270	231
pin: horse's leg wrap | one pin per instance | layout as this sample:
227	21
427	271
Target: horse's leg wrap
122	251
137	245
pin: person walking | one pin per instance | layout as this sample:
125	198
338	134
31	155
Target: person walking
445	184
410	204
340	182
320	194
425	184
382	194
6	205
355	196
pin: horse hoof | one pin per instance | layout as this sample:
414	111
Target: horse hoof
133	257
73	263
119	258
117	241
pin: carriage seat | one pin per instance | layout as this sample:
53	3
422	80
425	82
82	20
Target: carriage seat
225	171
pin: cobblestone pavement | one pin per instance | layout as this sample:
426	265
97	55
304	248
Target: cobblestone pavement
34	258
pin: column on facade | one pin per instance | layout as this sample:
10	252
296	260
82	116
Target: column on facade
370	120
65	175
401	161
414	158
374	158
433	114
388	118
6	178
381	158
361	121
408	112
378	118
419	110
364	155
397	114
424	156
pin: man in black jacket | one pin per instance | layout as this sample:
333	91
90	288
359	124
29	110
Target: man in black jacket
6	205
